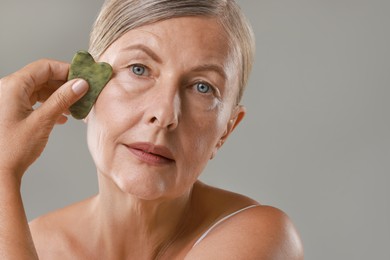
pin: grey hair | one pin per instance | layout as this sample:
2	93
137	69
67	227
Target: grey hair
119	16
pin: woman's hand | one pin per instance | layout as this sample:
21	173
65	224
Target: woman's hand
24	132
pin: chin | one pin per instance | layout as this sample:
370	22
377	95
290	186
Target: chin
143	187
145	183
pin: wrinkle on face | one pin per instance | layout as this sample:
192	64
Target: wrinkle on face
179	52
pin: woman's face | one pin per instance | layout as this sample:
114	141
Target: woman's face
168	108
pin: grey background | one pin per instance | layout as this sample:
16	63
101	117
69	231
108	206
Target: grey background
315	142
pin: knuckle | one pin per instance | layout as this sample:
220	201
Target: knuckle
44	120
42	61
20	79
62	101
4	81
8	83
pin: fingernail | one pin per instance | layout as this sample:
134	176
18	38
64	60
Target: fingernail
80	87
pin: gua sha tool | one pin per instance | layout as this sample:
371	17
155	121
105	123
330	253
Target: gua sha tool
97	74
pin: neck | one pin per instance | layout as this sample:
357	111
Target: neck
132	226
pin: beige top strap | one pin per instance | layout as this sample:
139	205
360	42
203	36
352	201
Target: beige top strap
219	222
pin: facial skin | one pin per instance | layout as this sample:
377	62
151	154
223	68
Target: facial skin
173	94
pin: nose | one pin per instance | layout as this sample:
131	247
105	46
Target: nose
164	109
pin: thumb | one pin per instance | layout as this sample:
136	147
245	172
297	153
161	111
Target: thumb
60	101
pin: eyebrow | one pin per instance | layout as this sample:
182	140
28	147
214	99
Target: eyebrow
201	68
211	67
145	49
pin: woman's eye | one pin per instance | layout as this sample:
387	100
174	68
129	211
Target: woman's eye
139	70
203	88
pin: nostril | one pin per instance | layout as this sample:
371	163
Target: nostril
153	120
163	112
168	123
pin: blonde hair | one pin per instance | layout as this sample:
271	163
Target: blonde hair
119	16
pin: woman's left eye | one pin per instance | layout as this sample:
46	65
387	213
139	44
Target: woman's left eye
203	87
139	70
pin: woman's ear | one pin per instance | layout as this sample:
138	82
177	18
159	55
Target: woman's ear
236	117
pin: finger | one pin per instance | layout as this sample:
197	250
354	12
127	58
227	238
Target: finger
59	102
36	75
61	120
45	91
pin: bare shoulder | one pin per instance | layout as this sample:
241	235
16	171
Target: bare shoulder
53	233
260	232
48	235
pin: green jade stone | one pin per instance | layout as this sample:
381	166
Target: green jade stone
97	74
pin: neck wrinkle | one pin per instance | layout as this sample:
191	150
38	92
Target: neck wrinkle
127	224
181	229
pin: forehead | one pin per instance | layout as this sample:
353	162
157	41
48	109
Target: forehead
200	36
193	29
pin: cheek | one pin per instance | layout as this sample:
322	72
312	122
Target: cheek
103	129
203	130
97	139
120	103
107	108
198	144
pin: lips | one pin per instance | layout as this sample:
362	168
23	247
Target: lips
151	154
